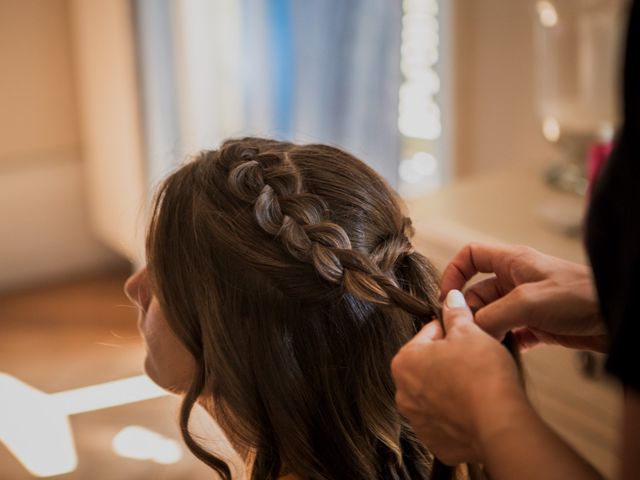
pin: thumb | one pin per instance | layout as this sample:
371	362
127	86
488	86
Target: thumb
455	312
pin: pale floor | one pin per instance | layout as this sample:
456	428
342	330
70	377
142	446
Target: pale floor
77	334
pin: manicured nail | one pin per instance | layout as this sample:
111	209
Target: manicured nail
455	299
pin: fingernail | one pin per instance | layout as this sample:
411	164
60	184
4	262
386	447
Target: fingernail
455	299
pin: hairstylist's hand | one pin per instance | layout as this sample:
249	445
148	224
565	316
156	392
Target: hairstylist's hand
542	298
457	390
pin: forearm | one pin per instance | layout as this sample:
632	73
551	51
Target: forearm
518	444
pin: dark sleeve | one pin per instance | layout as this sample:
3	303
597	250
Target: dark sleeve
613	228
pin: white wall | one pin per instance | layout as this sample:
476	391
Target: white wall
495	121
44	232
104	52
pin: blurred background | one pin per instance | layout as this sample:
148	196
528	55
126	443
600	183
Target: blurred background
488	116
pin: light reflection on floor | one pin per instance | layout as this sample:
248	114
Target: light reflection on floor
35	426
78	334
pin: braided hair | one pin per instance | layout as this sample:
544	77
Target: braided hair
288	273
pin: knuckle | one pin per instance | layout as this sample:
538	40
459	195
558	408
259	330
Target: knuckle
401	362
522	255
525	293
403	403
470	249
473	245
397	364
525	250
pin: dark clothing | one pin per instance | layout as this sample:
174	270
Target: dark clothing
613	229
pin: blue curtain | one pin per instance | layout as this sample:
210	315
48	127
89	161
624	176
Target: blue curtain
330	70
304	70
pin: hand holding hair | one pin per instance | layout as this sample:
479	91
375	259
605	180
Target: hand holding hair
461	393
542	298
448	383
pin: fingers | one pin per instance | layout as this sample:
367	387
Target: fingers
513	310
476	258
525	338
484	292
455	311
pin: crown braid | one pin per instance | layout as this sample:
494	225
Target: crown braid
272	183
389	251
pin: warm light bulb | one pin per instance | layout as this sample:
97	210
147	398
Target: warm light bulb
551	129
418	168
547	13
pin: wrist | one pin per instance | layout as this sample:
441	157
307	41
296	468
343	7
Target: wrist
499	411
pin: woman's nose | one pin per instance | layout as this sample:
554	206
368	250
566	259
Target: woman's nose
137	288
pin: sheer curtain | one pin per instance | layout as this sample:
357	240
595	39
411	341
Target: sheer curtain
318	71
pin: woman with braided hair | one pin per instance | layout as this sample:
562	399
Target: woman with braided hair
280	282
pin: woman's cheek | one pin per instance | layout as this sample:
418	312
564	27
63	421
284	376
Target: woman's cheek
168	363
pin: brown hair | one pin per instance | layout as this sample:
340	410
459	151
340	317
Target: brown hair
287	272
